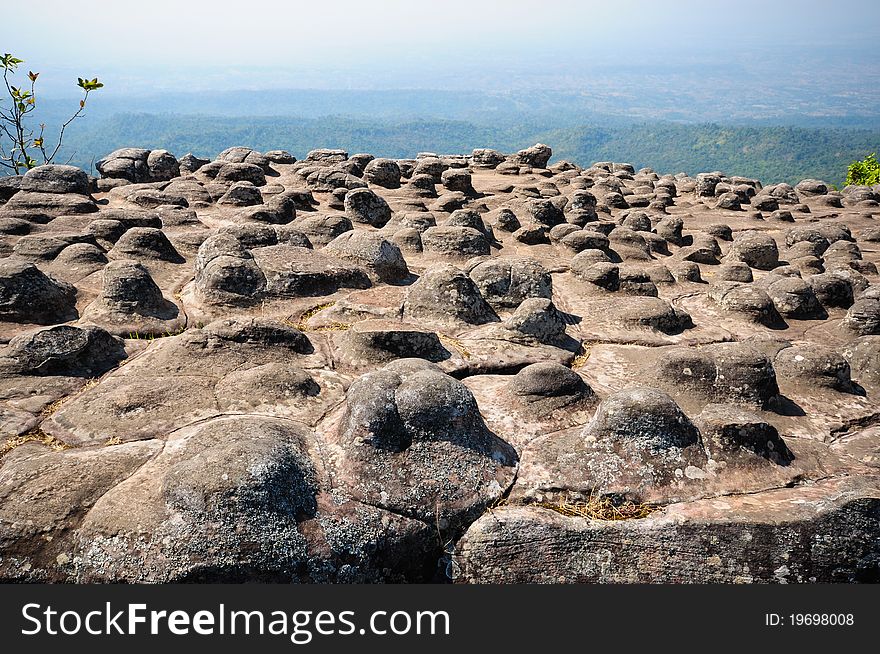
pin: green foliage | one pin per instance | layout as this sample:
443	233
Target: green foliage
863	173
769	153
18	141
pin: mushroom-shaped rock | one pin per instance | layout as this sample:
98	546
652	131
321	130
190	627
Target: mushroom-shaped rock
53	178
322	229
814	365
536	156
747	299
28	295
794	298
132	302
145	243
363	206
756	249
863	317
226	272
506	282
538	318
446	294
736	435
383	258
383	172
455	241
62	350
549	386
414	443
380	341
639	445
241	194
292	271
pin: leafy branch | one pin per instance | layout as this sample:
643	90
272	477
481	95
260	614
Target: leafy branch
16	155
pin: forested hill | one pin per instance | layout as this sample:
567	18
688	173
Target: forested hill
770	153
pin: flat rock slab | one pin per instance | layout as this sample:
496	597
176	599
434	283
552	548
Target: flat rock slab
331	370
824	532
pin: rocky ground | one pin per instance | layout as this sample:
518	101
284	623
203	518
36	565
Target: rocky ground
479	368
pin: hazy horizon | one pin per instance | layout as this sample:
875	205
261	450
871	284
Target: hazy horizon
596	79
170	46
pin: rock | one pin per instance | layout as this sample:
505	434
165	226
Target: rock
241	194
364	206
126	163
383	172
794	298
832	290
486	158
368	249
728	431
446	294
233	172
62	350
162	165
189	163
455	241
538	318
280	157
548	387
28	295
506	282
132	302
536	156
755	249
407	424
327	178
814	366
145	243
321	229
457	180
747	299
53	178
636	282
381	341
585	239
9	186
292	271
605	275
670	230
730	201
782	216
325	156
40	207
811	187
734	272
422	186
497	548
863	317
706	183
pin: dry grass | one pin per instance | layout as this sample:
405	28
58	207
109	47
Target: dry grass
454	343
137	336
114	440
34	436
49	409
581	358
303	323
600	508
595	508
332	327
